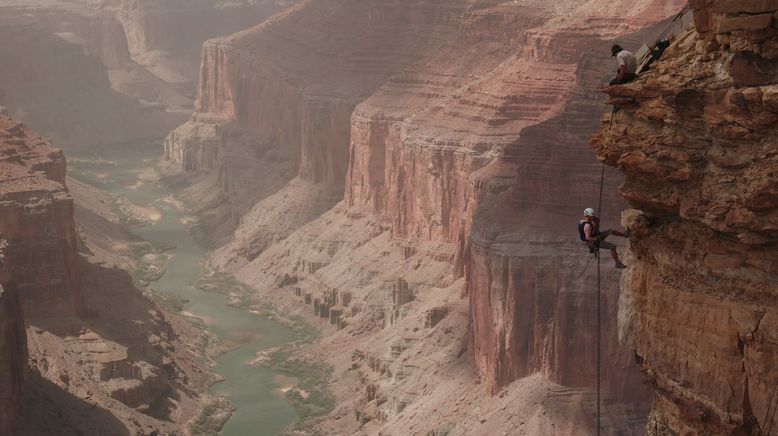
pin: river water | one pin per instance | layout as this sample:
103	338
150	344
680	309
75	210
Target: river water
261	409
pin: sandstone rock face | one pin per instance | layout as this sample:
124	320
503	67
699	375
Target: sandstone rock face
481	149
123	369
464	169
282	102
696	139
13	358
36	218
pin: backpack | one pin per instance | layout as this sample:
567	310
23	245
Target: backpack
582	232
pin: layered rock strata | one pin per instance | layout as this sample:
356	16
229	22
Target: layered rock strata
696	139
36	218
278	98
468	159
103	359
447	133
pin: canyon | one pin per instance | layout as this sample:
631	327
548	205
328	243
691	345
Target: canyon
696	139
106	72
402	177
458	145
83	349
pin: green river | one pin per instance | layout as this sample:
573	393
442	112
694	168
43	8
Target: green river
261	408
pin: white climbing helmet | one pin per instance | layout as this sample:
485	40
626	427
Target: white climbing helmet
589	212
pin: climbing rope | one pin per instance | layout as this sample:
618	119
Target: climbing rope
599	311
599	292
772	405
664	33
678	17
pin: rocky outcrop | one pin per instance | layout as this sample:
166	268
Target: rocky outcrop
696	139
103	358
13	356
36	218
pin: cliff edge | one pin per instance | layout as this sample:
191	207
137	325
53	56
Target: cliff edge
697	139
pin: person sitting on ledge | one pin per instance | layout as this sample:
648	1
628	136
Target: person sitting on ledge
589	232
627	66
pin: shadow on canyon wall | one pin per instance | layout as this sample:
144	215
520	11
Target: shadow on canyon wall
49	410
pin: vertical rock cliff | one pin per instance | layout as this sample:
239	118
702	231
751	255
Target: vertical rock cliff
697	140
460	138
490	140
103	359
36	218
275	103
13	356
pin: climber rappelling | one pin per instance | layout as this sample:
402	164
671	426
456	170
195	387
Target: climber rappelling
589	232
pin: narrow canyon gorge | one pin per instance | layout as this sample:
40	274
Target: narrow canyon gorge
356	217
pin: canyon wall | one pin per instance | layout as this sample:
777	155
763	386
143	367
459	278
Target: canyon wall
13	355
484	152
275	102
53	83
696	139
36	218
102	358
166	36
460	138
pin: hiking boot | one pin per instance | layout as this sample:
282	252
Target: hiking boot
626	233
620	265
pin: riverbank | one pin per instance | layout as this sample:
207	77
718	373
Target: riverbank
167	263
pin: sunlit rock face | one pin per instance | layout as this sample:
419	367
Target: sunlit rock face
36	218
483	148
696	139
460	136
275	102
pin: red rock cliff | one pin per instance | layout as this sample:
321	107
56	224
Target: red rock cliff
36	220
696	140
13	356
275	101
482	148
469	139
